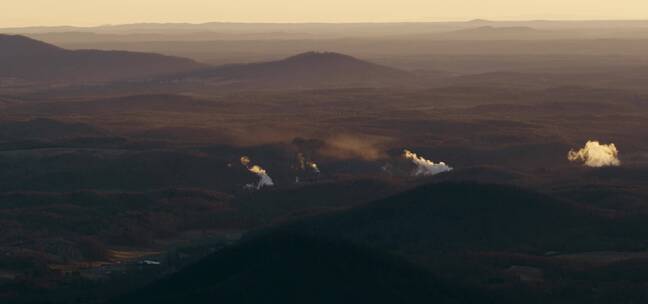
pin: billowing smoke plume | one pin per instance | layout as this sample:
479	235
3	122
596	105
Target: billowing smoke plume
596	155
425	167
264	178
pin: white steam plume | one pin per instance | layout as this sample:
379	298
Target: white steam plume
264	178
425	167
596	155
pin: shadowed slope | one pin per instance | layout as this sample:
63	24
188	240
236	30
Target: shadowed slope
458	216
285	268
28	59
310	69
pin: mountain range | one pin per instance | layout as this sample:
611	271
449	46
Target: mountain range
35	61
31	60
306	70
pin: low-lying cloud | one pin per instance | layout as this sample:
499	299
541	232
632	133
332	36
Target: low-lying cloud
596	155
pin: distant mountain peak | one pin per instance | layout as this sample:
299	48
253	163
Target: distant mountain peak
331	61
495	29
521	28
33	60
309	70
479	21
18	45
497	32
314	56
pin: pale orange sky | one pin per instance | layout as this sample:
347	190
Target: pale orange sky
97	12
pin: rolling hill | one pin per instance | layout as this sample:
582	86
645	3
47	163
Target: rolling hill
453	216
31	60
307	70
286	268
466	240
454	242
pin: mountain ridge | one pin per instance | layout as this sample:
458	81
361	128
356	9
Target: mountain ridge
32	60
292	268
307	70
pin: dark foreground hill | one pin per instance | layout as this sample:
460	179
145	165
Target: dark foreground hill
454	216
460	216
285	268
312	69
509	241
456	243
27	59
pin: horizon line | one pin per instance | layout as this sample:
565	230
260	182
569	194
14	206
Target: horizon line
322	22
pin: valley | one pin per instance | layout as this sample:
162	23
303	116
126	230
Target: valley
475	164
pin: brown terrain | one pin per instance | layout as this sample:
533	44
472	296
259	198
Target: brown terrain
121	178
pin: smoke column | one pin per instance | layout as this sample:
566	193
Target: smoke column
596	155
425	167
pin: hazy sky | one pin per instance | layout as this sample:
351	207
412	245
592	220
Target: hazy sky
96	12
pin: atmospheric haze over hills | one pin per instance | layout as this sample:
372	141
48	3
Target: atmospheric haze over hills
32	12
416	162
